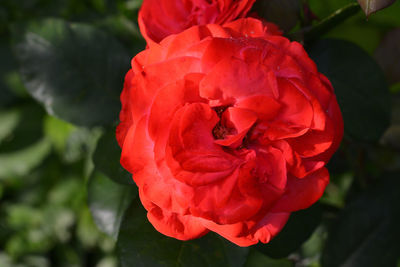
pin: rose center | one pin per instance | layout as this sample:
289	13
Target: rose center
220	131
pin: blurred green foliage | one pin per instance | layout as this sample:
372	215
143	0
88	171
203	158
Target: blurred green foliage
45	162
44	218
66	201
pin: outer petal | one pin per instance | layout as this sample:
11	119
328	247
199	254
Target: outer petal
232	80
236	9
251	27
297	166
158	19
182	227
125	116
147	82
248	233
302	193
161	18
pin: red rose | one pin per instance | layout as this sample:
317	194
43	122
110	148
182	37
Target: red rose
228	129
160	18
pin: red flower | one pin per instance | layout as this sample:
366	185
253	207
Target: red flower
160	18
228	129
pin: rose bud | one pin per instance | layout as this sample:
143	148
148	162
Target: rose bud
160	18
227	129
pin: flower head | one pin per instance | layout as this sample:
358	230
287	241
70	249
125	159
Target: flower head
227	129
161	18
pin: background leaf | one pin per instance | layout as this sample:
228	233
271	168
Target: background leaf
359	85
366	33
22	145
8	122
367	233
108	202
106	159
326	7
388	55
58	132
257	259
314	31
76	71
10	84
28	129
19	163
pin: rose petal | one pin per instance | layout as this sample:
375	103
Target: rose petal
182	227
265	107
137	148
233	10
302	193
168	18
232	79
245	234
250	27
271	167
296	50
148	82
192	155
165	106
313	142
296	108
125	116
161	18
224	203
239	119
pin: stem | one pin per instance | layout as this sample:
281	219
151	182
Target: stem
311	33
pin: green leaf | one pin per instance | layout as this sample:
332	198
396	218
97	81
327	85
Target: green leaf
285	13
366	234
23	129
58	132
395	88
106	159
326	7
257	259
75	70
311	33
80	144
391	138
336	191
108	202
139	244
367	33
311	249
388	55
132	4
8	122
19	163
126	29
372	6
359	84
7	66
298	229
